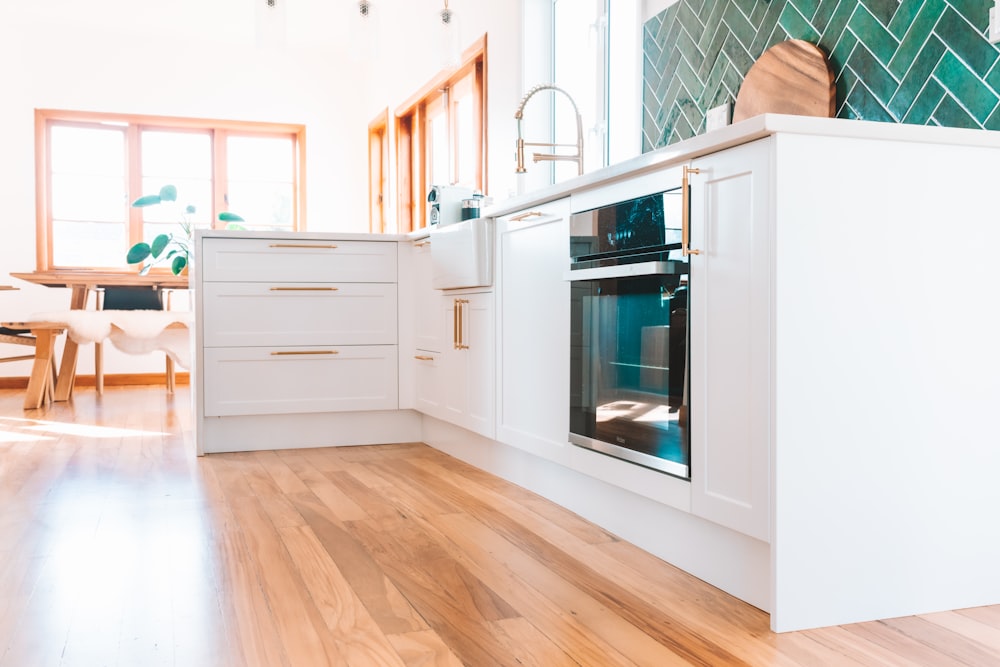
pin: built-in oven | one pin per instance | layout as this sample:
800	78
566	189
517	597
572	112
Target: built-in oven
629	335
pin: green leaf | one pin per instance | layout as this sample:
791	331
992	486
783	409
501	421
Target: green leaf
236	226
159	243
178	264
137	253
228	216
146	200
189	209
168	193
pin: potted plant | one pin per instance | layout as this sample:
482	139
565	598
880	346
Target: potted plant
175	248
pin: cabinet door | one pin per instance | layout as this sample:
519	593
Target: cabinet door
282	380
730	310
533	332
429	327
467	377
249	314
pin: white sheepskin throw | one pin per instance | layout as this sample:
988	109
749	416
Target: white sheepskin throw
131	331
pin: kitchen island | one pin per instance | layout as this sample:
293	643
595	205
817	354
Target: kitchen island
854	478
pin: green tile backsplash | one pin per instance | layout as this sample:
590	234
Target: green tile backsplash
921	62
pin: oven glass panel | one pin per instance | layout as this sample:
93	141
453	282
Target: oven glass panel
628	379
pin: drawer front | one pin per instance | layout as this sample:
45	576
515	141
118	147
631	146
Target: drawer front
282	380
254	314
267	260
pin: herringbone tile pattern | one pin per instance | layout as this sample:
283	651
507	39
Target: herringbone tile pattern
906	61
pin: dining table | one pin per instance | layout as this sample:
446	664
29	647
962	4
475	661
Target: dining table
82	282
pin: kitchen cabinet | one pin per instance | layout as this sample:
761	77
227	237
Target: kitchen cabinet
291	332
533	336
730	337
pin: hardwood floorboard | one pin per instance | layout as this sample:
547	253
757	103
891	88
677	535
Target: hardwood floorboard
120	547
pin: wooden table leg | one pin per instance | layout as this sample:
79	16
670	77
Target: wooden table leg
40	378
67	369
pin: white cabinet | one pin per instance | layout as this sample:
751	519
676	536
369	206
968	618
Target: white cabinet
729	313
303	326
453	350
533	329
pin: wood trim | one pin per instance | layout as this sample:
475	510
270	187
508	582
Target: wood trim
169	122
475	50
378	163
404	174
117	380
43	240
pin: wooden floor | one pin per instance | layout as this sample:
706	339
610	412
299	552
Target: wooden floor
118	546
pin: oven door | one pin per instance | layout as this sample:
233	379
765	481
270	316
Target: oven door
628	377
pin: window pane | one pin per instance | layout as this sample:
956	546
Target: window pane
262	205
88	244
88	174
578	61
437	130
465	138
184	160
261	181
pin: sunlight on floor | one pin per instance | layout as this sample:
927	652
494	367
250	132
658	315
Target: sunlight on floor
12	429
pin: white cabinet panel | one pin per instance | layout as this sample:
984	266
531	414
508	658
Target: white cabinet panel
533	333
253	380
730	312
429	328
266	260
240	314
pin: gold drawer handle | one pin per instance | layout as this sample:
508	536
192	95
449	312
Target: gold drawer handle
304	289
422	357
286	353
420	244
529	214
300	245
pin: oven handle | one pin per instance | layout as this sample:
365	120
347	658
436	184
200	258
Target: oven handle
620	271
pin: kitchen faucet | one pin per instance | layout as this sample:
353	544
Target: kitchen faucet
536	157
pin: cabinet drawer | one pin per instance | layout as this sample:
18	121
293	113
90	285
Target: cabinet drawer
264	260
282	380
253	314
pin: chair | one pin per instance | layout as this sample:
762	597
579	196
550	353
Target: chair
129	298
42	382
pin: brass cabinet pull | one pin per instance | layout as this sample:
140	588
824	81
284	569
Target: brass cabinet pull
454	323
304	289
686	212
460	324
301	245
529	214
422	357
288	353
420	244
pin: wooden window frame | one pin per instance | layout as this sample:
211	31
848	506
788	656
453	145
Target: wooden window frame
132	124
411	139
378	176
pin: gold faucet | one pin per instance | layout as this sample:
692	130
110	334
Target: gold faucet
536	157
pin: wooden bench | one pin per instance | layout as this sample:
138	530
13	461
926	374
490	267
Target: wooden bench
41	384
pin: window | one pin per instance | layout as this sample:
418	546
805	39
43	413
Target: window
440	137
579	65
91	166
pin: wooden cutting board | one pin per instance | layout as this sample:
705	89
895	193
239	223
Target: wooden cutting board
792	77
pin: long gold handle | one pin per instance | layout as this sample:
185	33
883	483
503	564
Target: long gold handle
461	324
301	245
454	323
686	212
529	214
288	353
422	357
304	289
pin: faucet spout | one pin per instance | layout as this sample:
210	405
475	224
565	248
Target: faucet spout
521	143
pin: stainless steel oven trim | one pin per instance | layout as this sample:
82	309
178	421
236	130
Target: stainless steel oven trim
619	271
661	465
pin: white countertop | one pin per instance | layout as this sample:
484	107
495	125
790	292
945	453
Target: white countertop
744	132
